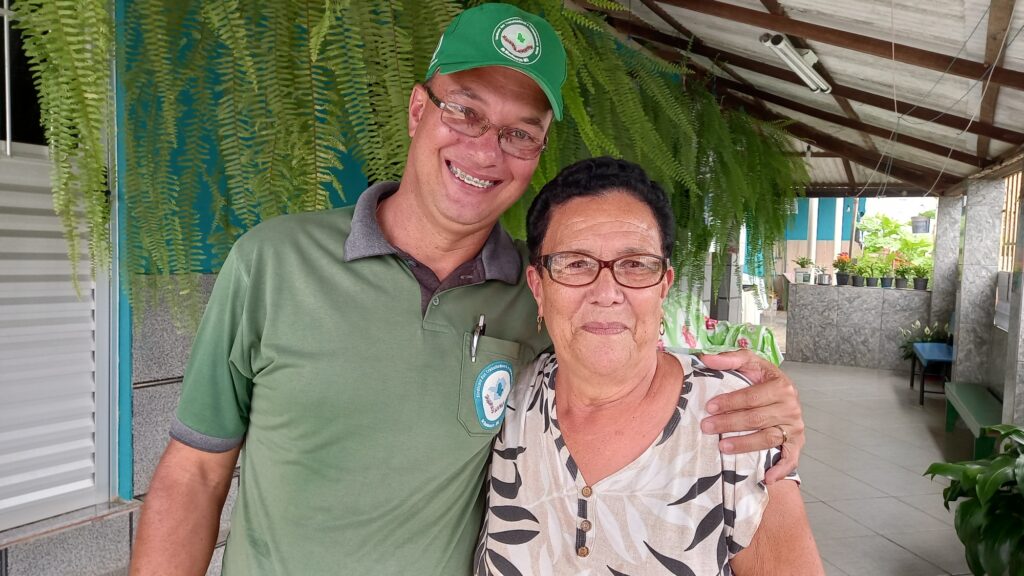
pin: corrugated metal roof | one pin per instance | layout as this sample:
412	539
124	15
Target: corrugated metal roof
866	119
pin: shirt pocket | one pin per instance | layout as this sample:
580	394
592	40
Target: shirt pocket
486	384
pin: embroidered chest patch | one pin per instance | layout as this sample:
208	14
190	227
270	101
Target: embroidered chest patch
490	393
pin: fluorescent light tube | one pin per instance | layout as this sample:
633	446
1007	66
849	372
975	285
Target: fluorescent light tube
796	61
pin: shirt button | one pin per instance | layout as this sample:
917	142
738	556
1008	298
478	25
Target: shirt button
585	526
587	491
436	301
583	551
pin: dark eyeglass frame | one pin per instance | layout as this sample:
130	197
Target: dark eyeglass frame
545	262
503	139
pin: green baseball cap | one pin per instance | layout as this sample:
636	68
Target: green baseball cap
503	35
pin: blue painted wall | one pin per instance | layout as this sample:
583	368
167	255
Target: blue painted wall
798	224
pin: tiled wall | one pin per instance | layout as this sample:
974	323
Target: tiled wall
87	543
946	254
975	304
851	326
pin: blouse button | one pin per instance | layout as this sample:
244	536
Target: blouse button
583	552
587	491
585	526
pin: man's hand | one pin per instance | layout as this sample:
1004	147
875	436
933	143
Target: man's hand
772	401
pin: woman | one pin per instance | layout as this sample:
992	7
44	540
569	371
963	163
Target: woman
601	467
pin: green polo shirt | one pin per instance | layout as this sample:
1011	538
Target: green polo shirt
366	434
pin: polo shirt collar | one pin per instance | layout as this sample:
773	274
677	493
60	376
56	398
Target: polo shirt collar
500	258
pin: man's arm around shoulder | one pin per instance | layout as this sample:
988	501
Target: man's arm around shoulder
181	513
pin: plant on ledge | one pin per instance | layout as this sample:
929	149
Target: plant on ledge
990	517
842	263
804	262
918	332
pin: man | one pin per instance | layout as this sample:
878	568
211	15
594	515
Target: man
363	354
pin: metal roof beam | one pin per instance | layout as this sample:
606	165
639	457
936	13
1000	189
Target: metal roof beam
852	41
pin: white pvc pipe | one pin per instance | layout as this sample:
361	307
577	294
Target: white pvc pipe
8	138
812	229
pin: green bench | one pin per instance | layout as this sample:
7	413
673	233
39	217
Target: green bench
978	408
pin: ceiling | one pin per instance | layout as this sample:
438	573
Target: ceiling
926	94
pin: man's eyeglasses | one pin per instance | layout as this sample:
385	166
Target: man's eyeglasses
630	271
464	120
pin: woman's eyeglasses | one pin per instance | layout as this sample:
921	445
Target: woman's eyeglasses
630	271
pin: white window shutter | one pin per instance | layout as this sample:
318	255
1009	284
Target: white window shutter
49	462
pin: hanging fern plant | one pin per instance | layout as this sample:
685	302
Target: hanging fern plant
68	45
248	107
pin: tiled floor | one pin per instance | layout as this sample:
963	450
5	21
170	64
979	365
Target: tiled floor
868	443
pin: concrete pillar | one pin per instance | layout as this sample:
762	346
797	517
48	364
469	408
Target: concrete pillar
812	228
975	301
837	243
947	251
1013	383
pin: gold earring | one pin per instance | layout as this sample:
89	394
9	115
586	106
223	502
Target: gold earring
540	323
662	330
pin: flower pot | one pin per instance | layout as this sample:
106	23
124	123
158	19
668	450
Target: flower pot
887	282
842	278
920	283
804	275
920	224
871	281
823	279
901	282
857	280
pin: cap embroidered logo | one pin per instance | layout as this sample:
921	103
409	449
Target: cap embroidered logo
517	40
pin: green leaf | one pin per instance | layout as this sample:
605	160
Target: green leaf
949	470
989	482
1019	473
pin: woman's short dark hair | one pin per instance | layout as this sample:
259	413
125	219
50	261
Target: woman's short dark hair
598	177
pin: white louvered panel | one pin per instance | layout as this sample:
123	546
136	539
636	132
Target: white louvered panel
22	222
45	346
48	389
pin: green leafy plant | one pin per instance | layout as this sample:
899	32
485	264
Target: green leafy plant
918	332
923	269
904	270
929	214
69	47
990	514
870	267
804	262
257	108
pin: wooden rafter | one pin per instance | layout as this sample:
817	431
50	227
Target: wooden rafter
863	190
908	172
860	126
1000	13
849	172
979	128
774	7
852	41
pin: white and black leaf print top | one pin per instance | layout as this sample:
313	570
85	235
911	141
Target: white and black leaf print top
681	508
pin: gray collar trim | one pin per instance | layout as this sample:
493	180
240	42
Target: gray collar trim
500	258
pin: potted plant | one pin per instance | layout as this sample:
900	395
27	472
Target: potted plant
904	272
886	273
990	517
821	277
842	265
918	332
804	272
921	223
921	273
870	268
858	270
